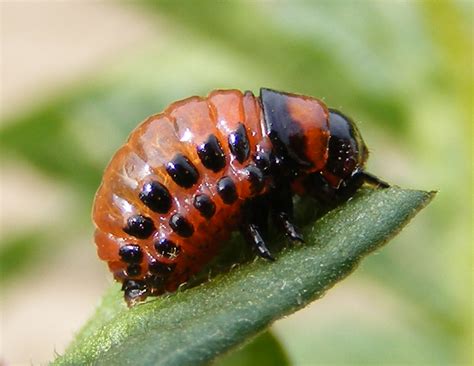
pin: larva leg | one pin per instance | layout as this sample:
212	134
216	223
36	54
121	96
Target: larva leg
284	223
257	212
254	226
253	236
282	212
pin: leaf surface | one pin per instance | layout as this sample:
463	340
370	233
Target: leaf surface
195	325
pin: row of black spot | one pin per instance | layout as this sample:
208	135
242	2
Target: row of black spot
185	174
142	227
157	197
158	273
132	255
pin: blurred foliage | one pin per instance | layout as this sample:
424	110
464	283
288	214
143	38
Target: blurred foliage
20	251
264	350
403	69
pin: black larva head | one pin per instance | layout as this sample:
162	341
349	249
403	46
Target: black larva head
347	152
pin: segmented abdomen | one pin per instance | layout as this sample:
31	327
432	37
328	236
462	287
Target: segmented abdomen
173	193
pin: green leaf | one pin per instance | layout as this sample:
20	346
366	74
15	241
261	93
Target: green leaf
195	325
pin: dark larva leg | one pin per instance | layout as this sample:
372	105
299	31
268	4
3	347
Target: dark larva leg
256	212
284	223
282	212
349	187
255	224
253	236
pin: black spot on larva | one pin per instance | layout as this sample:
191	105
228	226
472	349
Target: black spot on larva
134	290
211	154
133	284
133	270
181	226
156	197
239	143
131	253
167	248
255	177
204	205
227	191
263	161
183	172
139	226
160	268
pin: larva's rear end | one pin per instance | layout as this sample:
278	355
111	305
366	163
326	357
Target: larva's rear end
173	193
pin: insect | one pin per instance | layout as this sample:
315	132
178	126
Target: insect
189	176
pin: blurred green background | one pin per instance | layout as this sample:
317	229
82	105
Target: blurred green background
78	76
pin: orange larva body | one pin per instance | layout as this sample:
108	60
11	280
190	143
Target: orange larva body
174	192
